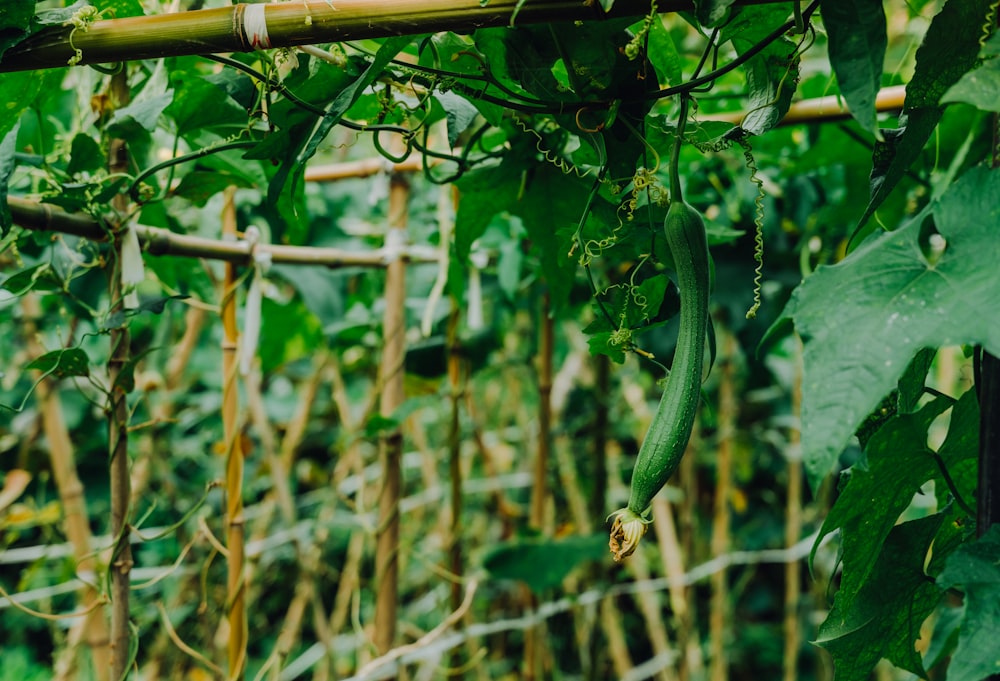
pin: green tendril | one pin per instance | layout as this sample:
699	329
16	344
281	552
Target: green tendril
758	223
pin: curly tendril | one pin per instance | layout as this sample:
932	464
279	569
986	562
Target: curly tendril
758	222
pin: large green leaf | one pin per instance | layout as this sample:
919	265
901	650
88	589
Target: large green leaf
7	165
551	209
975	569
543	563
876	490
864	318
885	618
857	41
980	87
949	49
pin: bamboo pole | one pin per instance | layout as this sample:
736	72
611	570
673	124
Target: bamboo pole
246	27
793	529
533	638
158	241
74	505
236	616
391	442
719	605
118	418
829	108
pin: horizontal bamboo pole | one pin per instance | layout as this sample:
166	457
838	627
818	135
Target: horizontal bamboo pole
245	27
830	108
158	241
365	167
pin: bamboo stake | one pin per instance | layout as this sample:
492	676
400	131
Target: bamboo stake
236	616
719	606
829	108
540	490
118	417
391	443
793	529
158	241
246	27
455	465
74	505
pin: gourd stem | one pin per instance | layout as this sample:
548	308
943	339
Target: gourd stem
675	156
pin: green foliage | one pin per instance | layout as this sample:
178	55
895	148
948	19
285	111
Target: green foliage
896	297
557	138
543	564
884	617
975	569
857	42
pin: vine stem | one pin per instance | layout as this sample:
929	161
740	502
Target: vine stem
675	154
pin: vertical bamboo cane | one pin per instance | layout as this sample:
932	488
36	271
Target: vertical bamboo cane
94	626
391	443
455	465
236	615
120	483
718	666
539	488
793	529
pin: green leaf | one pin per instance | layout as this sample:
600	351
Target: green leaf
876	490
711	12
600	344
483	193
198	186
975	569
980	87
663	54
885	618
85	155
459	114
960	450
119	9
15	19
198	103
27	279
949	49
771	75
62	363
893	301
8	161
130	121
543	563
857	41
550	209
297	155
